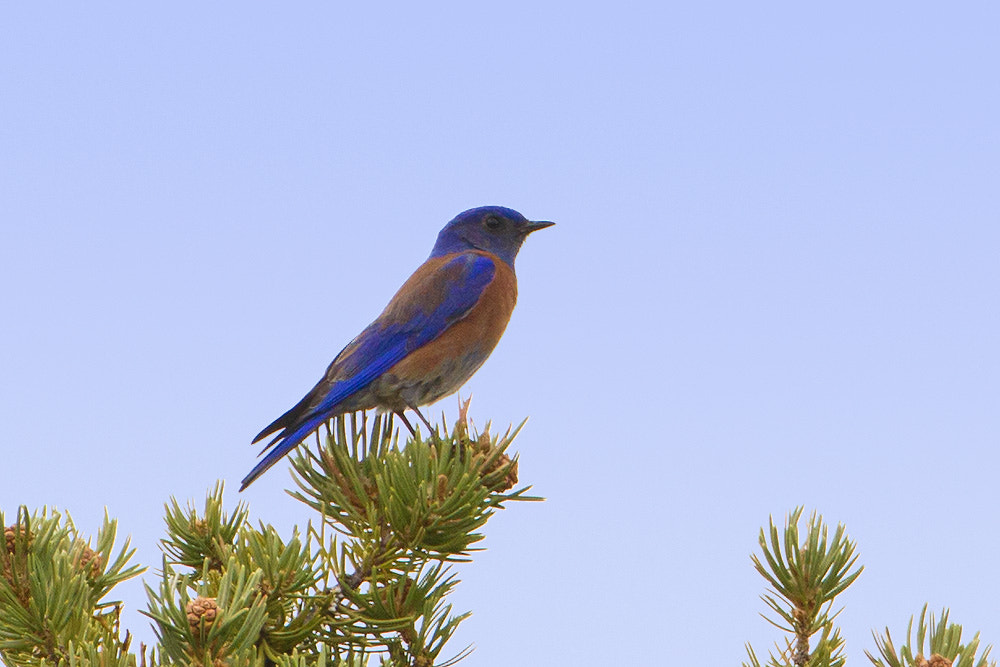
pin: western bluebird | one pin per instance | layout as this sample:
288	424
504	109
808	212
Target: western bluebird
434	334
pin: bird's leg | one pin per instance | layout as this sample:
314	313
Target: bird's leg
430	429
406	421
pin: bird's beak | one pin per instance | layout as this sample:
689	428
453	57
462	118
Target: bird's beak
536	225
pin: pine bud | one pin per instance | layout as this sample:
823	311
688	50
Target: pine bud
200	526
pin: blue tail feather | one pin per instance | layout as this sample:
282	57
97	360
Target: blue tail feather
281	446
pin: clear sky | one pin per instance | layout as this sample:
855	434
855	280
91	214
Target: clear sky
774	281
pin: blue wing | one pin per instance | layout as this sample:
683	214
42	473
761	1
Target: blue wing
438	294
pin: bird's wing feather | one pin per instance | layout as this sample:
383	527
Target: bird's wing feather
433	299
420	312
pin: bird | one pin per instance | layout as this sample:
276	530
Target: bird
433	335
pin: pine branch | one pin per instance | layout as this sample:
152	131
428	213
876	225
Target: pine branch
370	578
398	511
52	589
805	577
944	644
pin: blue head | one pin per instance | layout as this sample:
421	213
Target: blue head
493	229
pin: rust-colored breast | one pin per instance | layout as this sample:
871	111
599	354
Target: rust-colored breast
440	367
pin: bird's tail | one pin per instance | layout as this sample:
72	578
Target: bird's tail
281	445
287	420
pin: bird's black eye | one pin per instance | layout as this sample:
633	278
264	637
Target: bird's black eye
493	223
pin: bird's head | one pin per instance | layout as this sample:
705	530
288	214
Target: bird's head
492	229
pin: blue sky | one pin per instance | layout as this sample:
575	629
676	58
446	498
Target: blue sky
773	282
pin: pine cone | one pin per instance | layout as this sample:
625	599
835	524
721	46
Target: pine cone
10	535
484	449
90	562
201	609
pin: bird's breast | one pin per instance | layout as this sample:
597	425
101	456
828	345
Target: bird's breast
441	366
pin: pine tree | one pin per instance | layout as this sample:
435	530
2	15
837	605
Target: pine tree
807	574
367	578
